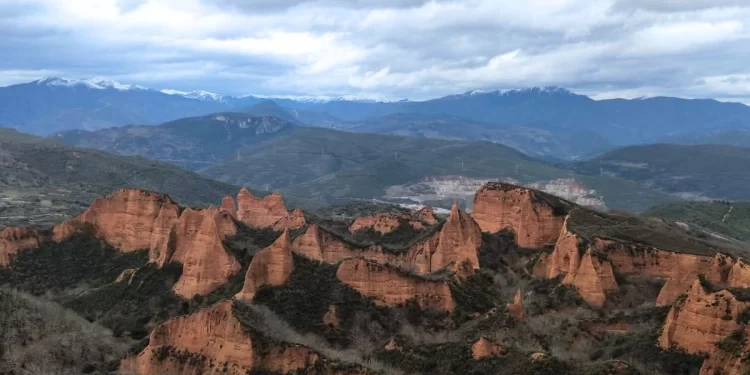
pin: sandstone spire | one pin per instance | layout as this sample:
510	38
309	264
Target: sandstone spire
271	266
228	205
516	309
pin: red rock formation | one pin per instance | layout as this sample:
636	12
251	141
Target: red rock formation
384	223
15	239
229	206
724	363
125	219
390	286
458	241
484	348
534	221
196	241
213	341
296	219
330	318
427	215
739	275
701	319
271	266
516	309
318	244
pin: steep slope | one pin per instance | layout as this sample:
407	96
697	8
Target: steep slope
702	171
193	143
43	182
718	218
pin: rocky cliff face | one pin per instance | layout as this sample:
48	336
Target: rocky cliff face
213	341
389	286
196	241
458	241
535	218
701	319
271	266
590	265
268	211
229	206
427	215
485	348
318	244
15	239
125	219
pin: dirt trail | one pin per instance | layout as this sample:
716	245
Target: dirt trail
726	215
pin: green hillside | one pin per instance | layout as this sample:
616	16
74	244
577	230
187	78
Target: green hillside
729	219
42	181
706	171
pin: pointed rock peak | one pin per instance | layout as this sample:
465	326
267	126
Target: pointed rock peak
518	299
284	238
427	214
516	308
228	205
244	193
298	212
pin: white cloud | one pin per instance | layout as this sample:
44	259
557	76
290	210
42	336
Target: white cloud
396	48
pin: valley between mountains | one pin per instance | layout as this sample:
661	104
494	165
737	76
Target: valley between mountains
527	283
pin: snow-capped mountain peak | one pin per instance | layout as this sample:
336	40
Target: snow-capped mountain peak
197	94
96	83
544	90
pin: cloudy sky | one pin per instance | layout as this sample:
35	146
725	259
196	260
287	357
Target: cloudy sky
386	48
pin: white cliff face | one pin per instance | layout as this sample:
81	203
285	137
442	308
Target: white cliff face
462	189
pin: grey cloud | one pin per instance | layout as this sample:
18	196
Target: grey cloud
677	5
280	5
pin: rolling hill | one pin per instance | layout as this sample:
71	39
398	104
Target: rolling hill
718	218
43	181
697	171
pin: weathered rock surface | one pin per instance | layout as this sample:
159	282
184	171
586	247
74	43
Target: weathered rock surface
196	241
229	206
390	286
15	239
427	215
701	319
271	266
126	219
318	244
213	341
484	348
531	214
516	308
268	211
384	223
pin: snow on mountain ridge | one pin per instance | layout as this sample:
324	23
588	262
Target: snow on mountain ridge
96	83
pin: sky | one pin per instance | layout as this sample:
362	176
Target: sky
386	49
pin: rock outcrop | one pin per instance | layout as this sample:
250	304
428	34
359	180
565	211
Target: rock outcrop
15	239
271	266
229	206
213	341
386	222
265	212
196	241
485	348
535	217
516	308
390	286
703	318
427	215
126	219
318	244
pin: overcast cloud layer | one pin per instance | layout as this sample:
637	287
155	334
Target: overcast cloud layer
386	48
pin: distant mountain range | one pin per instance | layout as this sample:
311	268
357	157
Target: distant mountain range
313	164
547	122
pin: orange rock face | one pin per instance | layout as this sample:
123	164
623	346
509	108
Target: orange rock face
484	348
701	320
125	219
229	206
427	215
15	239
196	241
268	211
384	223
516	309
534	221
217	344
318	244
271	266
389	286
